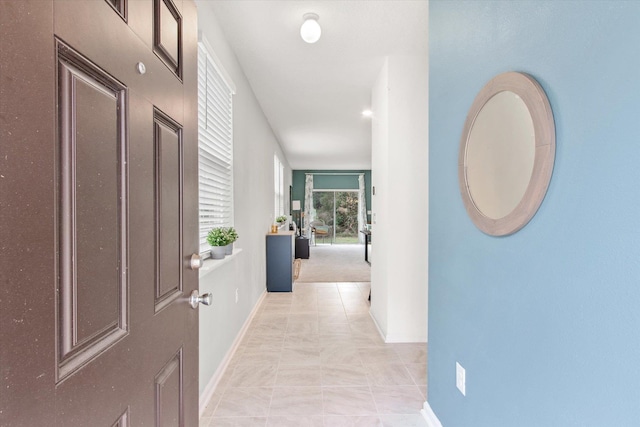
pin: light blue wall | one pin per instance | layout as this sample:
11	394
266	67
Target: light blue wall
546	321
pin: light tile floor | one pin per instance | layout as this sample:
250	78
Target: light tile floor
314	358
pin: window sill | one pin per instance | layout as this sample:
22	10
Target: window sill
210	265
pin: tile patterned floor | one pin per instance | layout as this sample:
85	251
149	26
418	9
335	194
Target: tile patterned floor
314	358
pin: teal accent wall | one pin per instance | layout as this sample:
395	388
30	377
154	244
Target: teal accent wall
546	321
331	182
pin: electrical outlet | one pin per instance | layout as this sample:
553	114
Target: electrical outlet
461	379
236	295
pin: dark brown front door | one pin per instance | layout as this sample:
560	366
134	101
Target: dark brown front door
98	186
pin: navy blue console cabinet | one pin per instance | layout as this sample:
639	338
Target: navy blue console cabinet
280	261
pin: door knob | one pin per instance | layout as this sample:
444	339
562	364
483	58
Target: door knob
196	299
196	262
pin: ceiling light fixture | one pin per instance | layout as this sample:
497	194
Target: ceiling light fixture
367	113
310	30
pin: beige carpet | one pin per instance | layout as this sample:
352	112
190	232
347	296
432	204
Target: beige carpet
335	263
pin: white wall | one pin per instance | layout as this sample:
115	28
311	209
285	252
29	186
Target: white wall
379	199
400	175
254	147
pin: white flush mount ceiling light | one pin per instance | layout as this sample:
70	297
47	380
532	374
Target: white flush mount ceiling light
310	30
367	113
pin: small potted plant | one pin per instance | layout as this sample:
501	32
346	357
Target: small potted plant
232	237
281	219
218	238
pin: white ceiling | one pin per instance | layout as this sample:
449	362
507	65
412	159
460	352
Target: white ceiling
313	94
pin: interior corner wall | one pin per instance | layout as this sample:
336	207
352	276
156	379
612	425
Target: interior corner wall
399	268
254	145
544	321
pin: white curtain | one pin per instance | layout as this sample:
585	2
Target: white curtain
362	208
308	204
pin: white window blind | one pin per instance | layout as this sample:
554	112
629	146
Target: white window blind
215	146
278	186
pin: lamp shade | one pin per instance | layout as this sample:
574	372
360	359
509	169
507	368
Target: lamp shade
310	30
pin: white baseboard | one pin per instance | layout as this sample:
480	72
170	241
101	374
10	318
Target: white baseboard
430	416
389	339
208	391
384	338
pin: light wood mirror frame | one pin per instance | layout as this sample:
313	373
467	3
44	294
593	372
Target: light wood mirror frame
534	97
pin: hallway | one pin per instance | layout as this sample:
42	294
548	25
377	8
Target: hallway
315	358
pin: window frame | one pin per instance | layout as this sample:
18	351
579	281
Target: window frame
278	185
215	145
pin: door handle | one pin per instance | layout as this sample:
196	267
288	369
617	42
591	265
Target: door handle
195	262
196	299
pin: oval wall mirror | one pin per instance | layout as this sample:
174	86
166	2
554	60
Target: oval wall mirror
506	155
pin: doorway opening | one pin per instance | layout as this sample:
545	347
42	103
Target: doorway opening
338	209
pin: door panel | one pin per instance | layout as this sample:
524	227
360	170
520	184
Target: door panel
169	393
93	174
123	420
167	34
91	211
120	7
168	194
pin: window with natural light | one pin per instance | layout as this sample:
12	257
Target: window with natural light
215	145
278	184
